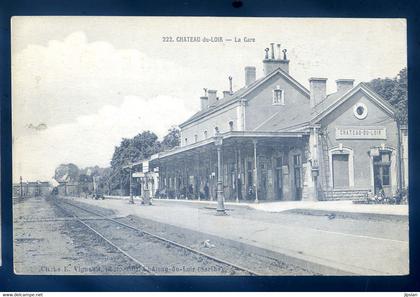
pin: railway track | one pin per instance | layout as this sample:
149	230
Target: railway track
168	245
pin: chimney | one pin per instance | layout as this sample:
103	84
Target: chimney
204	102
250	75
273	63
226	93
343	85
272	51
212	95
318	89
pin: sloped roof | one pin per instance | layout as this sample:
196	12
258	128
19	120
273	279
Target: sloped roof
330	99
336	99
282	120
219	104
231	134
222	101
278	122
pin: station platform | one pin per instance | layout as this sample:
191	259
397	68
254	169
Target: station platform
280	206
357	244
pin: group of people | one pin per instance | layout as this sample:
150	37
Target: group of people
191	192
184	193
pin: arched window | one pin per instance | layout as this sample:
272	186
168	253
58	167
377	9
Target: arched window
231	125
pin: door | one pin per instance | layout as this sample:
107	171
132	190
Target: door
262	188
340	164
250	181
232	181
279	178
297	168
381	171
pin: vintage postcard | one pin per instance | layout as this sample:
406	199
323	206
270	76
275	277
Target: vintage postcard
210	146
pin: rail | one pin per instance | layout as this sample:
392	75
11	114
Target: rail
213	258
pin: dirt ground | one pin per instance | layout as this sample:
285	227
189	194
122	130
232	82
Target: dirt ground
386	226
262	261
356	243
256	259
45	245
61	247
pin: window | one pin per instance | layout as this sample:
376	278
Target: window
381	169
278	96
279	162
250	172
297	167
186	140
279	178
385	176
195	138
297	164
205	134
360	111
231	125
225	173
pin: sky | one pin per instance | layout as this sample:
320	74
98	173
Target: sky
81	84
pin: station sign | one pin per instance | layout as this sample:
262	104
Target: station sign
348	132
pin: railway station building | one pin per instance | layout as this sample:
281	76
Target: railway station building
279	141
31	189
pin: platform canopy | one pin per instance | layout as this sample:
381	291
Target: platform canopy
232	139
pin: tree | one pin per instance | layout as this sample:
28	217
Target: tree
105	181
84	182
84	178
172	139
67	173
400	96
130	150
141	147
395	92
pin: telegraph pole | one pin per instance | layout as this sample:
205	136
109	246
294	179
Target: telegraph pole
121	188
21	187
95	186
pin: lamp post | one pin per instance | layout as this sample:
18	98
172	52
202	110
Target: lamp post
218	140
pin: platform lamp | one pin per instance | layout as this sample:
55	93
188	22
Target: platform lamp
218	141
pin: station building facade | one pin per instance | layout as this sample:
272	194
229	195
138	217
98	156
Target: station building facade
31	189
280	141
